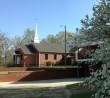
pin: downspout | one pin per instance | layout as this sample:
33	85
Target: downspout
15	60
39	59
24	60
36	60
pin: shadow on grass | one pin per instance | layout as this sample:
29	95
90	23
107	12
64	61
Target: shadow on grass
78	90
82	95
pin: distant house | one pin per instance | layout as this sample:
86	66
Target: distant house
82	50
38	54
84	58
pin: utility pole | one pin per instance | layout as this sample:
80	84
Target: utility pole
78	63
65	45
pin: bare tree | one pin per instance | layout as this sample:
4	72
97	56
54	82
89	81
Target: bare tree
5	50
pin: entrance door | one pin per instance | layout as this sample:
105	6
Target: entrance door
18	60
72	61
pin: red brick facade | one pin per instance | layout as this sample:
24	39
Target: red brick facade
40	54
31	60
43	61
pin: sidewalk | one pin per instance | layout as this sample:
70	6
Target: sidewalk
41	83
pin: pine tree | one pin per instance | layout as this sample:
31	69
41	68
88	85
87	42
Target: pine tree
97	29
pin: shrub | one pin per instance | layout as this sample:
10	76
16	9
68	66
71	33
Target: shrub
49	63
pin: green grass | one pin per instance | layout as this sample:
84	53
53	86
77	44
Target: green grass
7	72
79	86
23	92
27	71
82	95
35	89
38	69
61	66
55	66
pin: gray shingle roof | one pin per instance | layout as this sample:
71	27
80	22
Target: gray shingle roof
73	50
51	47
43	47
90	43
26	49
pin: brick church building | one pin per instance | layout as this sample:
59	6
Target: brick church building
38	54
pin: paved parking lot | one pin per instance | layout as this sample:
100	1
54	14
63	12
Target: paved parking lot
41	83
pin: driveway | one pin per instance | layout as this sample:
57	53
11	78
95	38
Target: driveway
41	83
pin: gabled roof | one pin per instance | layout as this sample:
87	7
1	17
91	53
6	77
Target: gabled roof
90	43
50	47
42	47
26	49
73	50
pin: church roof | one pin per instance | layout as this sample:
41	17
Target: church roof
25	49
51	47
43	47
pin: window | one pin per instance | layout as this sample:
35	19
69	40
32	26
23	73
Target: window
46	56
21	57
55	56
13	57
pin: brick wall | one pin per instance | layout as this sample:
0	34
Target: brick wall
29	60
39	74
50	58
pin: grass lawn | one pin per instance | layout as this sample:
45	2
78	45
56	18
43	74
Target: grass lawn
23	93
70	91
82	95
79	91
77	85
45	92
7	72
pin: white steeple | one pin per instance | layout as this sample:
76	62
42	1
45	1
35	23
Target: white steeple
36	39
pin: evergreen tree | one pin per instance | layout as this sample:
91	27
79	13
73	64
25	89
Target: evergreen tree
97	29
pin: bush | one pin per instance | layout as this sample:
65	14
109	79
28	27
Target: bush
49	63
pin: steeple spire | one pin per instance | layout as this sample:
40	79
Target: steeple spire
36	39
